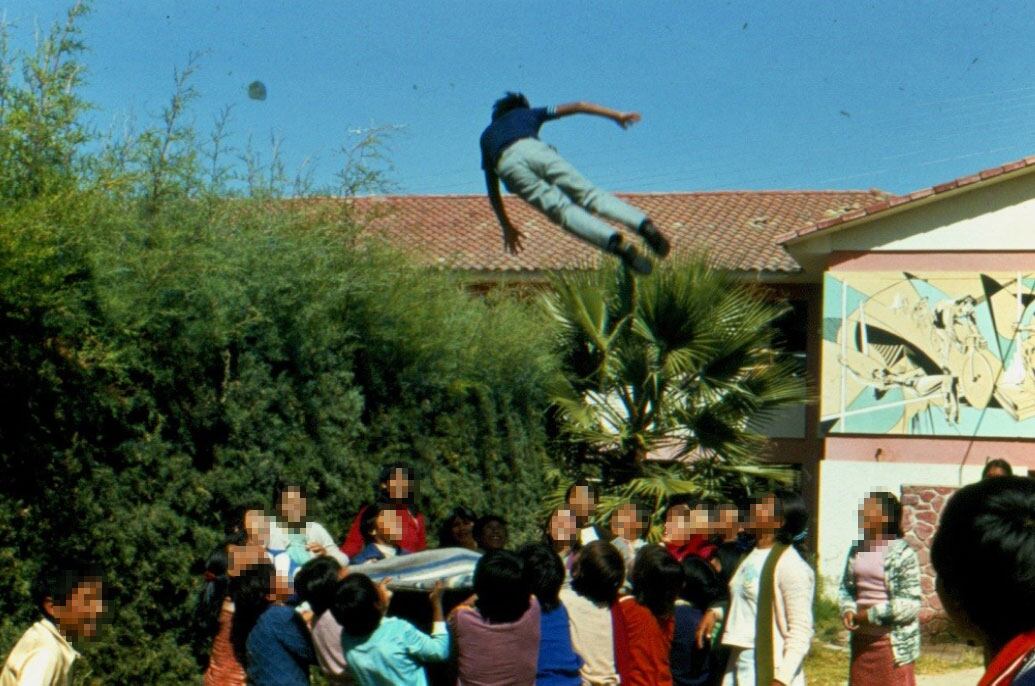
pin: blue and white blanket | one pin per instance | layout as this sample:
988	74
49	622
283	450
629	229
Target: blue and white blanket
419	571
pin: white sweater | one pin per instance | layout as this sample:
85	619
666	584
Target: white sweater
792	611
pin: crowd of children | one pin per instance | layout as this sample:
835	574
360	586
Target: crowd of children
725	598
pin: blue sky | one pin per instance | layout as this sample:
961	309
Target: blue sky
734	95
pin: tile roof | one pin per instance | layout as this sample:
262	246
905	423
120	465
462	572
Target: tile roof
898	200
737	228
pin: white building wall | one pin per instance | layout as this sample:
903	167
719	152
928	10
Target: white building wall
842	488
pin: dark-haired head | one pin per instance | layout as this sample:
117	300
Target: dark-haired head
657	580
490	532
510	101
561	531
358	605
544	574
581	498
70	593
397	485
881	516
996	467
782	513
598	572
252	591
679	503
984	556
317	582
291	502
368	523
702	585
499	583
457	530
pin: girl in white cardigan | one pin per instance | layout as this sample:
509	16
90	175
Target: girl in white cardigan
768	626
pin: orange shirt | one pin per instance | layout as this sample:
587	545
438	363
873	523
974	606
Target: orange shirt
649	644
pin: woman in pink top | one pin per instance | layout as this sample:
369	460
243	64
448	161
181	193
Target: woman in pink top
880	597
497	639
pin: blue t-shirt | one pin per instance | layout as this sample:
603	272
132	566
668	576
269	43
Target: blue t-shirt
559	664
524	122
279	649
690	664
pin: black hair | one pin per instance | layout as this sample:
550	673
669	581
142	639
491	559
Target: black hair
892	508
285	485
729	556
575	543
250	591
657	580
484	521
368	522
59	580
680	499
791	509
499	583
510	101
385	475
445	531
984	555
357	605
594	492
544	574
998	463
317	582
702	585
599	572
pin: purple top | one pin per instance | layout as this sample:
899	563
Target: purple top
493	654
871	588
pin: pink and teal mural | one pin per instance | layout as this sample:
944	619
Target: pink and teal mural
929	353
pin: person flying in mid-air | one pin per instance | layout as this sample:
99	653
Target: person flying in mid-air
533	170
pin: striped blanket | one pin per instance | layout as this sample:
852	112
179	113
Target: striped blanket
420	571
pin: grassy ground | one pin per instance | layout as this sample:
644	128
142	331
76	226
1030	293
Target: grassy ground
827	663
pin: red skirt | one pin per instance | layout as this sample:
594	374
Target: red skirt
223	667
873	662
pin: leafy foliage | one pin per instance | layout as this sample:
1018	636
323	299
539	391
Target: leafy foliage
676	365
176	338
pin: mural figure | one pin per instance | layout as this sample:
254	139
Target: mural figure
934	353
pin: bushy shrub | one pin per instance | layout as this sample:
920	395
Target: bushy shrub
166	355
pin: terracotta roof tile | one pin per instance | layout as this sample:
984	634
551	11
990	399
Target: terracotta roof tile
739	229
816	226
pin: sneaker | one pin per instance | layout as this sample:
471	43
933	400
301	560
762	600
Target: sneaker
632	259
654	239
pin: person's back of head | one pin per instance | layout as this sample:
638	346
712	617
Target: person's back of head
657	579
358	605
317	582
499	583
598	572
510	101
996	467
794	513
544	574
251	592
984	555
702	585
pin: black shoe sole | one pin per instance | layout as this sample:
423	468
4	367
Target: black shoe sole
658	244
637	262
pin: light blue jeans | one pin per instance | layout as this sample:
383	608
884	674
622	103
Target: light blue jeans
536	172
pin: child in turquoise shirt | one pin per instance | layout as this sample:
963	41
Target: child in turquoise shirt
386	651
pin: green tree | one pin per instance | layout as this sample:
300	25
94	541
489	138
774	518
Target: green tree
676	365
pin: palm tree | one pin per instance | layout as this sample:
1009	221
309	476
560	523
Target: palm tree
673	366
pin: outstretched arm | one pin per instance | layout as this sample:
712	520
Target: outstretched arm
623	119
511	236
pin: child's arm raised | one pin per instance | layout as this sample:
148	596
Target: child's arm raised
511	236
623	119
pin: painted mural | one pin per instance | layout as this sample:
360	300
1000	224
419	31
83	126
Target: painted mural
929	353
